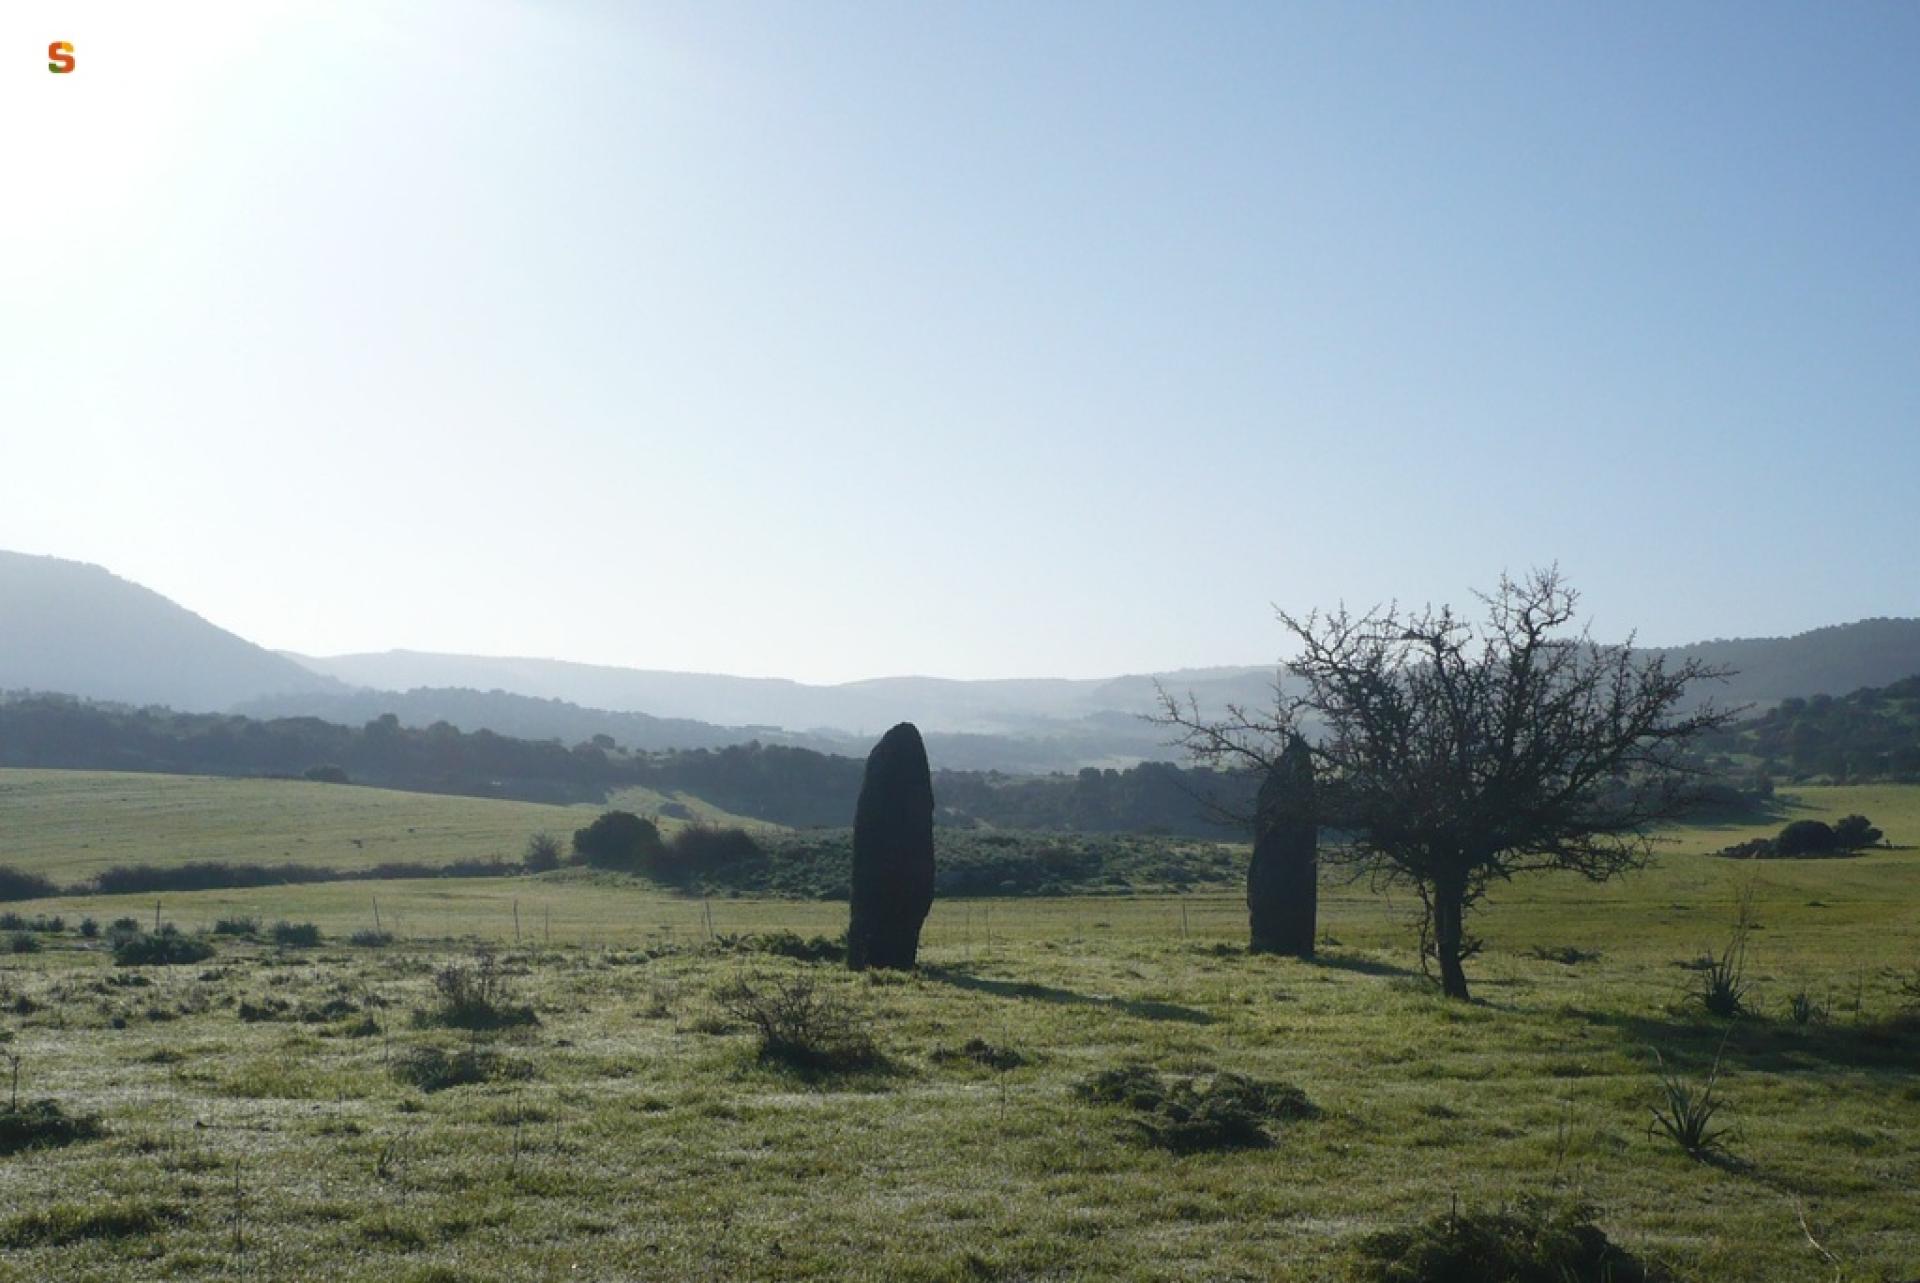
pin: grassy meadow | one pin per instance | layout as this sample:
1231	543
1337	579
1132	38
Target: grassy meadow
262	1114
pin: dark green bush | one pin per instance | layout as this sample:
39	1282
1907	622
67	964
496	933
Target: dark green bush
1536	1241
618	840
17	884
295	935
236	927
23	942
163	948
368	938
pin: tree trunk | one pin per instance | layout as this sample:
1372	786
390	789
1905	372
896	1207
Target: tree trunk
1449	936
1283	878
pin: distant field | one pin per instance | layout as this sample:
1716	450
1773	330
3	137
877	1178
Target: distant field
68	825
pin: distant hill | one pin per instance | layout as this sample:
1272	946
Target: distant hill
74	628
1826	661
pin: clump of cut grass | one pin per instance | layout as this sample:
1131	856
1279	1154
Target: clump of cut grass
163	948
1564	954
801	1023
1685	1113
1537	1240
1198	1113
978	1051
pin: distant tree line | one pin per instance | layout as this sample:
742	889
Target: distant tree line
781	784
1871	735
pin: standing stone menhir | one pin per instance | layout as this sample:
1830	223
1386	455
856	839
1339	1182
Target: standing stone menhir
892	853
1283	880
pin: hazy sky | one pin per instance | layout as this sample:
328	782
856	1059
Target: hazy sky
831	341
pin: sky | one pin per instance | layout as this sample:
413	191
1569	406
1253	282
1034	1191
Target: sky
832	341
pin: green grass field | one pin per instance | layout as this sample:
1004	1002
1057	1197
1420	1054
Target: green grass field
68	825
645	1141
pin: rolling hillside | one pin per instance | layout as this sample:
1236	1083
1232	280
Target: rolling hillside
79	630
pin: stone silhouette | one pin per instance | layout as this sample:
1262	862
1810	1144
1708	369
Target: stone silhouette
892	853
1282	881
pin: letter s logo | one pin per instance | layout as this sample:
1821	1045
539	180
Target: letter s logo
60	57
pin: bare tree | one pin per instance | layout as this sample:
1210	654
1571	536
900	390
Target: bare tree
1452	757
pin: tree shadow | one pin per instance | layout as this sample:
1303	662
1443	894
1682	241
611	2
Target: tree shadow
1769	1046
1140	1008
1362	966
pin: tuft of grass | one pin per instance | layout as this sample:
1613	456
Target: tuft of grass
475	996
1685	1113
801	1023
436	1069
978	1051
42	1124
1537	1240
65	1223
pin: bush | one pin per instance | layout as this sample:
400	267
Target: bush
1855	832
368	938
23	942
474	997
16	884
618	840
787	944
1187	1115
543	853
42	1124
236	926
434	1069
705	852
89	929
327	774
800	1023
1537	1241
295	935
163	948
1806	837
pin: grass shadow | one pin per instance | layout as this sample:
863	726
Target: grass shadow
1140	1008
1770	1046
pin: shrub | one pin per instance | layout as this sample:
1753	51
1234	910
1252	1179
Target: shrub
618	840
1855	832
787	944
1537	1241
704	851
17	884
800	1023
163	948
42	1124
1685	1113
236	926
295	935
327	773
475	997
1806	837
89	929
1187	1115
369	938
435	1069
23	942
543	853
